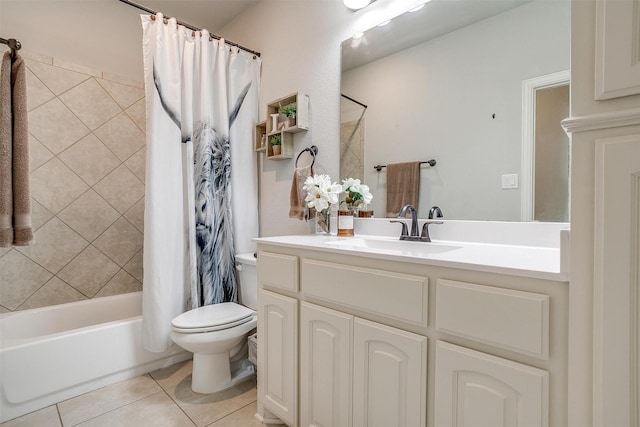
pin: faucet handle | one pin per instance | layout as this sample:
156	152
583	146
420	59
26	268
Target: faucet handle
405	230
424	236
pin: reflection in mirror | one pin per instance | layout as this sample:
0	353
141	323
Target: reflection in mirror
448	83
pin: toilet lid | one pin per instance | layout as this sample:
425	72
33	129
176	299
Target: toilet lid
213	317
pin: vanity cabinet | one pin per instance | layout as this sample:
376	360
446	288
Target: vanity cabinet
348	339
387	386
477	389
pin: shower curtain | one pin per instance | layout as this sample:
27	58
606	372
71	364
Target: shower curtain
200	189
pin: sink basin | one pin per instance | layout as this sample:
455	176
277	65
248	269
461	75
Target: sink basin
393	246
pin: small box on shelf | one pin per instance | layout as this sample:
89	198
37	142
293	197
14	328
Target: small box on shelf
289	114
260	137
279	146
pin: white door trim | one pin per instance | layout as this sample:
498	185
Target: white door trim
527	169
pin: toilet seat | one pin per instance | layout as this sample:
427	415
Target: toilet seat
213	317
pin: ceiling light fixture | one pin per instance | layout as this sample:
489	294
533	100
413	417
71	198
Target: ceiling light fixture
356	4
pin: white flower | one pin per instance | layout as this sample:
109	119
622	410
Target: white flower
366	195
357	192
321	192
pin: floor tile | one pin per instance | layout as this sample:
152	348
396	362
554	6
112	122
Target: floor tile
153	411
203	409
244	417
46	417
101	401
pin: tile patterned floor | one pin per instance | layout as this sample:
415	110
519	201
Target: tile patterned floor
160	398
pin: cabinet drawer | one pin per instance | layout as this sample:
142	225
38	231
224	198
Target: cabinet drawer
394	295
505	318
278	271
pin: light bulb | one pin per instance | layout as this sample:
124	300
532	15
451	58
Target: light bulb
356	4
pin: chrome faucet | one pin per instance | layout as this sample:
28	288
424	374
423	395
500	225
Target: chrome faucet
413	236
435	210
414	218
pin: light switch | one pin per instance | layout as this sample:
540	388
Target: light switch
510	181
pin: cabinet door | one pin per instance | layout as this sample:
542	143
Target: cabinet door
389	376
325	367
277	355
476	389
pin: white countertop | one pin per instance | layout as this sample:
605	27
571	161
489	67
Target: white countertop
540	262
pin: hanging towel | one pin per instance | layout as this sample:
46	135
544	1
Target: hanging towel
298	207
403	186
15	197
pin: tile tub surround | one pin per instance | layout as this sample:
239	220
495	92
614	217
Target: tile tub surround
87	157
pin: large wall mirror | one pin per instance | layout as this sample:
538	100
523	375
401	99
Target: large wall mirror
478	85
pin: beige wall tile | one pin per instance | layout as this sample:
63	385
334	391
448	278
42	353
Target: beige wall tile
89	215
121	189
121	135
135	215
37	92
39	215
36	57
38	153
89	271
57	244
103	400
121	283
120	242
46	417
138	113
135	265
122	80
20	277
56	126
75	67
91	103
90	159
125	95
137	163
54	292
155	410
57	79
55	186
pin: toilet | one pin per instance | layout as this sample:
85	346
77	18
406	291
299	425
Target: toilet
217	334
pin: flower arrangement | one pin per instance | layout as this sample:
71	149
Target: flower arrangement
357	194
321	192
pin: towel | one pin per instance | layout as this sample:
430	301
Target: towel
15	197
298	207
403	186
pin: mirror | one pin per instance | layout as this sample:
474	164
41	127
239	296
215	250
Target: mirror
462	82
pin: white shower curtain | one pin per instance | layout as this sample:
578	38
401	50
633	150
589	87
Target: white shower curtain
202	103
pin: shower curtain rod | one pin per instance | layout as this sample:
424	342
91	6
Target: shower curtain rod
353	100
191	27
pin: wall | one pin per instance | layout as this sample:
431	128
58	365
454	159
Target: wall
300	43
87	157
437	100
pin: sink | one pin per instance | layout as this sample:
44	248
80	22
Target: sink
394	246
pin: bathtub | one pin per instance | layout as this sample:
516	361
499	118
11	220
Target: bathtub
54	353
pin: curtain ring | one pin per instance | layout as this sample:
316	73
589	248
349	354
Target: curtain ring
165	20
153	17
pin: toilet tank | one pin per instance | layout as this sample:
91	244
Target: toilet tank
247	280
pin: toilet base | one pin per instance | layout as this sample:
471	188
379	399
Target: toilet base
212	373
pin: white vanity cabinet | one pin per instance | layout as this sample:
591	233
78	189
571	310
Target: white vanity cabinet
355	372
347	336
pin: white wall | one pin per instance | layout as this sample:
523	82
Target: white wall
436	100
300	46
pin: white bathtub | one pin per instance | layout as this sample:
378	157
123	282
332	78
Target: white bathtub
54	353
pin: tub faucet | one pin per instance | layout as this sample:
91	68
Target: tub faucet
435	210
414	219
